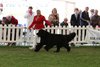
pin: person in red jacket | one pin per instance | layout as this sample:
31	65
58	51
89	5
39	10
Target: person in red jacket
38	21
10	20
37	24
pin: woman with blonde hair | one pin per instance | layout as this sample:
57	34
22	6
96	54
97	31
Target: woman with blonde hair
54	17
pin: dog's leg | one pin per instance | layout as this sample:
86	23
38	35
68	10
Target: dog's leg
58	48
38	47
67	47
48	47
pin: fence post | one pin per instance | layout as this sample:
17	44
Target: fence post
63	30
4	33
8	33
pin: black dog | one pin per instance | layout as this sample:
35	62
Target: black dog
50	40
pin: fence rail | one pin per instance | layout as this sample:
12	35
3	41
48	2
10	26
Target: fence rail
20	35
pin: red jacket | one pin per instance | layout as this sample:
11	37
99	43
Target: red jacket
14	21
38	22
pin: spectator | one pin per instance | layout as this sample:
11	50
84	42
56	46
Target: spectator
54	17
5	21
92	13
85	20
65	22
29	15
80	13
95	20
38	24
29	18
75	18
10	20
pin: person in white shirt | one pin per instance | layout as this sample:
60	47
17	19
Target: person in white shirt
29	19
29	15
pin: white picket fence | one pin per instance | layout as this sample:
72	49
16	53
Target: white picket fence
7	34
12	33
80	31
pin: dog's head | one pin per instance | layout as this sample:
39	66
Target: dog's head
71	36
42	33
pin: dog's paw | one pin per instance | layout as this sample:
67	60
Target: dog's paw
69	49
36	50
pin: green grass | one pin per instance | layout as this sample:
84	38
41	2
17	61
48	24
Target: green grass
23	57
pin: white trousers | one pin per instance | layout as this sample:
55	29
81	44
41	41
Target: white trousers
35	38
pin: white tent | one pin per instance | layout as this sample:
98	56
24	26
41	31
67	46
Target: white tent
65	7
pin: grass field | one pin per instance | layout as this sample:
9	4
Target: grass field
23	57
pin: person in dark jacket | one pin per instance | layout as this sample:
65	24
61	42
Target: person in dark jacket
95	19
65	22
75	18
85	19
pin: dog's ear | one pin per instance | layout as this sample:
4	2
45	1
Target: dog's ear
41	33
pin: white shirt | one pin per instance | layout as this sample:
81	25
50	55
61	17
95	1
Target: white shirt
29	18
